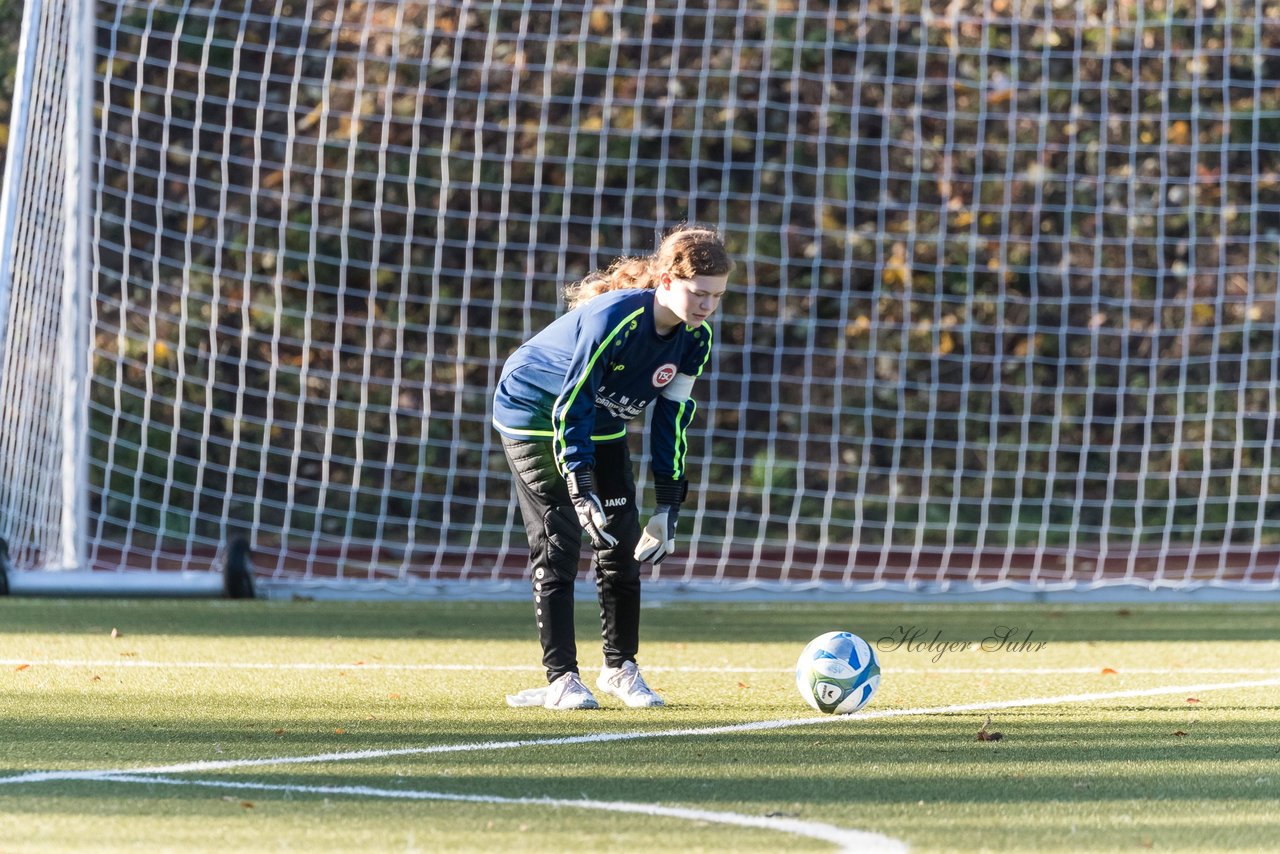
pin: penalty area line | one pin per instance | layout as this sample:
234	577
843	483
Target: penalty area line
357	666
847	839
633	735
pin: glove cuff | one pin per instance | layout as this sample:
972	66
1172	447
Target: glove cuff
581	482
671	492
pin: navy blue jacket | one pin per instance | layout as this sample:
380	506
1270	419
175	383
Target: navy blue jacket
582	378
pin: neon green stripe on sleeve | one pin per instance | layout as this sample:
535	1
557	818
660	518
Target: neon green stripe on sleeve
706	357
682	437
562	424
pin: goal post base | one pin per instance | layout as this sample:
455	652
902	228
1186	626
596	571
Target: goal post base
658	593
124	585
234	582
237	571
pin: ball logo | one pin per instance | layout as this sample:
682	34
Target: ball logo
664	375
826	692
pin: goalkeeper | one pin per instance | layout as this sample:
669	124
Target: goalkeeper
636	335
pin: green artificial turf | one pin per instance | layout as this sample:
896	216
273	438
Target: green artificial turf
380	698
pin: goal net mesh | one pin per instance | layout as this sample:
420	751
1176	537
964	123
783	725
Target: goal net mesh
1004	311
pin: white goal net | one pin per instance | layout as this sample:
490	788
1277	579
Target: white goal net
1004	312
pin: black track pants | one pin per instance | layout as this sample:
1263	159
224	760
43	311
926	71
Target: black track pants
555	546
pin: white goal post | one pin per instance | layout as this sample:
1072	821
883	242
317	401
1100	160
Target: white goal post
1004	316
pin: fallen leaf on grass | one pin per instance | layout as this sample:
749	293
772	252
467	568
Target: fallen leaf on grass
115	633
1109	671
984	735
1179	733
743	685
279	732
339	731
394	695
1193	699
22	667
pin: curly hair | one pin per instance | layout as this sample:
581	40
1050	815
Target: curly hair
688	250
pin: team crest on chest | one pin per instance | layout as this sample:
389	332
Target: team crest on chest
664	375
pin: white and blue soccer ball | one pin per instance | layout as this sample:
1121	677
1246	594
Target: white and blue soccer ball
837	673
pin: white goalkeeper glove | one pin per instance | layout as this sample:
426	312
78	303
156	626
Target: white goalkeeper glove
658	540
582	491
659	537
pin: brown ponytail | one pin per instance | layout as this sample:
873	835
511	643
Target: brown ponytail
687	251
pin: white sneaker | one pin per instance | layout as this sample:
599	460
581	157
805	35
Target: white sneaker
628	685
568	692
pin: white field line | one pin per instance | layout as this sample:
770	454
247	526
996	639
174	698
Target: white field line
600	738
132	663
847	840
